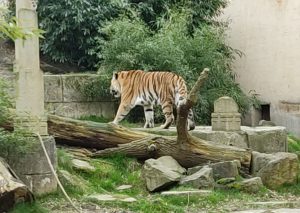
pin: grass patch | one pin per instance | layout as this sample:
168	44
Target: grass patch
117	170
94	118
29	208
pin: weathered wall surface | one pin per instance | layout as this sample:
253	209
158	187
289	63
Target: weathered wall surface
268	33
62	96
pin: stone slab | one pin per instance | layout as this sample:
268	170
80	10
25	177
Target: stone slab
79	109
267	139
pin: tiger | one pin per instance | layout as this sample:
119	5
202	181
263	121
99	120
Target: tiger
137	87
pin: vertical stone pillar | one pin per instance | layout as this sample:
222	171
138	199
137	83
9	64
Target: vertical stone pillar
32	168
30	83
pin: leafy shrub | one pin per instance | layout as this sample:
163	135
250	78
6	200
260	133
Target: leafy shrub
71	29
132	45
4	102
74	27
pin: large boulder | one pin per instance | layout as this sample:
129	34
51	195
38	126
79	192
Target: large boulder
201	179
161	173
275	169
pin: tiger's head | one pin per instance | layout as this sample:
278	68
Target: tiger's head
115	86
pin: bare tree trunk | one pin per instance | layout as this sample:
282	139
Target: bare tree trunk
12	190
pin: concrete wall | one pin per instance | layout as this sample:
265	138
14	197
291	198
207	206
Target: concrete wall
63	98
268	33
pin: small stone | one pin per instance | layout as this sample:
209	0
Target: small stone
189	192
129	199
200	179
123	187
83	165
102	197
225	181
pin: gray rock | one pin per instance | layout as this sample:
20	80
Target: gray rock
252	185
172	164
194	169
267	139
159	176
73	180
83	165
275	169
226	169
201	179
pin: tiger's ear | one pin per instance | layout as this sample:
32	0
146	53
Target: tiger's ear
115	75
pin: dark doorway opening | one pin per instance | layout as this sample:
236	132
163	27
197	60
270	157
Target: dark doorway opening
265	112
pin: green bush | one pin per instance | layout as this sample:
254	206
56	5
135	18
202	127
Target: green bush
72	29
132	45
5	103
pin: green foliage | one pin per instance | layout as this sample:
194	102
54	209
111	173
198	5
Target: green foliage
5	103
132	45
9	28
72	29
29	208
294	144
15	143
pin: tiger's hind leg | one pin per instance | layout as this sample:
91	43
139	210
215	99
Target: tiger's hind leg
167	108
149	115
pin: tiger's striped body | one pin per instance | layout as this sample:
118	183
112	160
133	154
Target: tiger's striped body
137	87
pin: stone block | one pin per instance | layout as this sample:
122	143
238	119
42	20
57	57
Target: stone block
275	169
226	121
34	161
33	168
267	139
238	139
225	105
53	91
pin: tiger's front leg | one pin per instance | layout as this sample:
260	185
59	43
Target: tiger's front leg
149	116
123	110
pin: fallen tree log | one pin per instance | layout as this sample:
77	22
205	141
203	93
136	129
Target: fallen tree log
12	190
186	149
